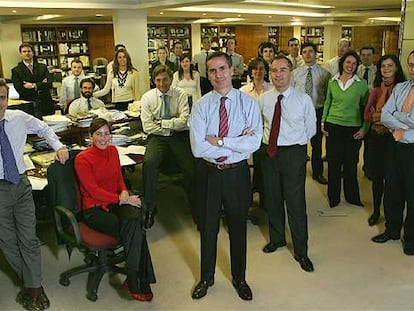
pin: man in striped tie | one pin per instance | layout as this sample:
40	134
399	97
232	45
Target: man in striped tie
225	128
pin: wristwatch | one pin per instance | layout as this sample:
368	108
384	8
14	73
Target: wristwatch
220	142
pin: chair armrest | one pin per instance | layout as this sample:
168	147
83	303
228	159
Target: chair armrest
63	212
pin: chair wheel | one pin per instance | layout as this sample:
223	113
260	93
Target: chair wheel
92	297
64	281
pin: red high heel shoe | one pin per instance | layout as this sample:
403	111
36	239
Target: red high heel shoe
139	296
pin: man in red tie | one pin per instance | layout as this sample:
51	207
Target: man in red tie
289	122
225	128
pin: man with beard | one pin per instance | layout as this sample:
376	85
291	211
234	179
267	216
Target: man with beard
86	102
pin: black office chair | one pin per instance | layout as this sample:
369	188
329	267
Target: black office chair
102	253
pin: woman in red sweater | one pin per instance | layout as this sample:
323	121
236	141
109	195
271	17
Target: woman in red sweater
108	207
389	73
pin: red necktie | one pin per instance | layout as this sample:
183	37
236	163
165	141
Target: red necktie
274	132
224	123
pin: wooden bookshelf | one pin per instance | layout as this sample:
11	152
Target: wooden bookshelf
166	35
57	46
316	36
218	34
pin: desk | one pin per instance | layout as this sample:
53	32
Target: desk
20	104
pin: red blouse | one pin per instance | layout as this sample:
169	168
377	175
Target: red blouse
100	176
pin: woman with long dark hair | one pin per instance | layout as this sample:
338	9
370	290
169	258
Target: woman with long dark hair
123	81
342	123
187	78
389	73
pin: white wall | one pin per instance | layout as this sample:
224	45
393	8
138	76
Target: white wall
10	39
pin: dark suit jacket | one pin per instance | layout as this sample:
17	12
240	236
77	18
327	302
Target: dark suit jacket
43	80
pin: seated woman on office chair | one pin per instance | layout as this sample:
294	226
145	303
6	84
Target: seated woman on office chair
110	209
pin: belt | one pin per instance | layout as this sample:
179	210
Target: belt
222	166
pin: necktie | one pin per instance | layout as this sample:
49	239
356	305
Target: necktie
206	63
30	67
76	90
365	77
11	173
309	83
274	132
224	123
177	62
399	133
89	104
165	114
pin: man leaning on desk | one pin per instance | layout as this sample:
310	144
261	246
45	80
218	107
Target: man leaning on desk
164	117
33	82
18	240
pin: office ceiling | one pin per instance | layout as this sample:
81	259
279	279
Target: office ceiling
254	12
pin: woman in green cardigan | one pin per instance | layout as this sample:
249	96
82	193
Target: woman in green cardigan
343	125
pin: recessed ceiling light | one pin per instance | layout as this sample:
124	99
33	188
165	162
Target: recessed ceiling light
98	15
161	13
14	11
238	15
204	14
47	16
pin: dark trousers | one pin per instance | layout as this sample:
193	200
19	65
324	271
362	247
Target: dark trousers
18	240
218	189
284	182
342	151
205	85
125	222
158	149
399	180
377	155
316	143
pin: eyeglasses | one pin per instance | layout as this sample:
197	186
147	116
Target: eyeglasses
3	97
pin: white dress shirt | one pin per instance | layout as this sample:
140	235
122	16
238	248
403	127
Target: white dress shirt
372	71
298	120
320	78
80	105
151	106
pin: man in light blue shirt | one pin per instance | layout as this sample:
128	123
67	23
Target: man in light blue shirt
397	116
288	125
313	79
225	128
18	240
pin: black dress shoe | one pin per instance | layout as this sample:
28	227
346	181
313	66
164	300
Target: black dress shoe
243	290
409	251
373	219
271	247
149	219
384	237
320	179
305	263
201	289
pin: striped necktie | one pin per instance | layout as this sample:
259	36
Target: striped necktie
309	83
224	123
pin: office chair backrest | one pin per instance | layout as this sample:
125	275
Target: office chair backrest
63	185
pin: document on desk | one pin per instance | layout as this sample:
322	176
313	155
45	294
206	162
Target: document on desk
37	182
125	160
131	149
28	162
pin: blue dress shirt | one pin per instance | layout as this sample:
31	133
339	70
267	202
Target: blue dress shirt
242	111
392	116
